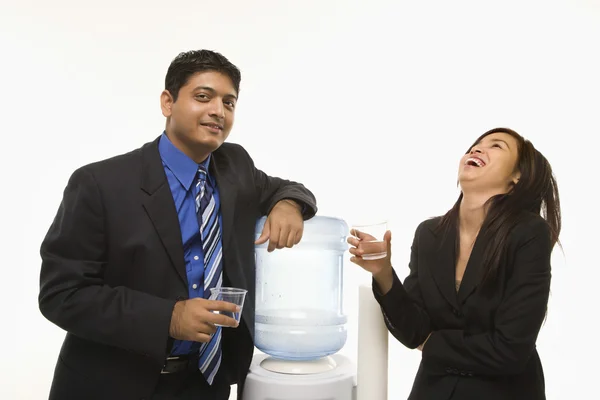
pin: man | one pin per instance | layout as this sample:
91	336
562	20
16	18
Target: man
140	239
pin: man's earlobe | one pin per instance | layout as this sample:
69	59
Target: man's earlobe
166	101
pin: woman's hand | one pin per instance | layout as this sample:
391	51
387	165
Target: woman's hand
381	268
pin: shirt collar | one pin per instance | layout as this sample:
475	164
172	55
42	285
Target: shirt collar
183	167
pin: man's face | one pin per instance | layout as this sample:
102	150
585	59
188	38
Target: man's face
202	117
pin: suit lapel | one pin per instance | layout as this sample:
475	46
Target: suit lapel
444	267
160	207
472	275
221	169
444	264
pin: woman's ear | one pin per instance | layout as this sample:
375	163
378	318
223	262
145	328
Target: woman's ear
516	177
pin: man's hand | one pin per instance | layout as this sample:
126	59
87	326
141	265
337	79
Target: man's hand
283	227
423	344
194	319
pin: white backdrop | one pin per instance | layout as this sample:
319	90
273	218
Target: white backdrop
370	104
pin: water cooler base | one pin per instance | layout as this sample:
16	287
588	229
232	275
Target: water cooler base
338	383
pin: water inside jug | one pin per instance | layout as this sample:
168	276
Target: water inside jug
299	293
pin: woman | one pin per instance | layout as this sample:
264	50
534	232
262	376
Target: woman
476	295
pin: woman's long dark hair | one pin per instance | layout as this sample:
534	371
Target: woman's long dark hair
536	191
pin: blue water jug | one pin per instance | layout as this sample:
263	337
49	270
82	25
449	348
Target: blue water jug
299	293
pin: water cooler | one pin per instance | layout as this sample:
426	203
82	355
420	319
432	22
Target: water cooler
301	326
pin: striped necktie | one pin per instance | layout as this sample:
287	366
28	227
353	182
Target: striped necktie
210	230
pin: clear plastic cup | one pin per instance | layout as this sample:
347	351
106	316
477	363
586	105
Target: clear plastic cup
371	240
230	295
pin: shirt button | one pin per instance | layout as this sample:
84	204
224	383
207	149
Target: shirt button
196	258
194	286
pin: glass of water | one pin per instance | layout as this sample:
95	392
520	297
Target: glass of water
371	239
230	295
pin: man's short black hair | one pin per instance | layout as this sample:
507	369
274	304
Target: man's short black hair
188	63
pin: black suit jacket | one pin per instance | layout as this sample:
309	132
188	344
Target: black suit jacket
483	342
113	268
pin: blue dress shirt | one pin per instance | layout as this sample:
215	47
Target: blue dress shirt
181	174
